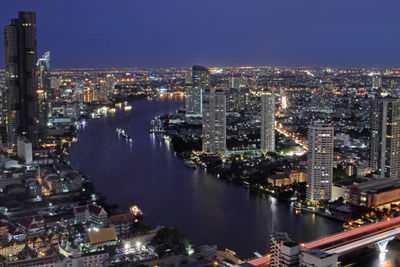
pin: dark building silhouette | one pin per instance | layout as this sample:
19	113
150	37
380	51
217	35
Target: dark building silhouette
20	101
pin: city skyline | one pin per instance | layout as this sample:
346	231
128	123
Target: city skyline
154	33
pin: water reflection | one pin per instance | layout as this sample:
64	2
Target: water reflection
208	210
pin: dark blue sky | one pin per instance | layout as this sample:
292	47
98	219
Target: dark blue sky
128	33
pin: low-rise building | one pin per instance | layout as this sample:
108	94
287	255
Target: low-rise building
91	213
123	223
318	258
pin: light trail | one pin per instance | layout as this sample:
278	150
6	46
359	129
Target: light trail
364	242
390	223
298	140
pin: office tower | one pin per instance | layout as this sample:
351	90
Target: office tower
214	121
194	93
43	91
20	64
376	82
320	162
321	101
268	121
385	138
200	77
193	102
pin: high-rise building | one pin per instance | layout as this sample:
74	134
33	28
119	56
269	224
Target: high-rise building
268	121
44	90
320	162
385	138
376	82
200	77
21	85
193	101
214	121
194	93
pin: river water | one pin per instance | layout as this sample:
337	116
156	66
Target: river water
148	174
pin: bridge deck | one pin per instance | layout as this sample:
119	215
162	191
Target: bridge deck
347	236
363	242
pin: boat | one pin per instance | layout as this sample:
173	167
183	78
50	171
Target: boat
246	185
122	133
190	164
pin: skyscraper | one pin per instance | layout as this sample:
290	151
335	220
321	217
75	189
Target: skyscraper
194	94
385	138
214	121
43	91
320	162
268	121
200	77
20	62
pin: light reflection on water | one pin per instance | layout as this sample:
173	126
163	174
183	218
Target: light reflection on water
208	210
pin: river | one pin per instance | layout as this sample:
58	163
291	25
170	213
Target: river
148	174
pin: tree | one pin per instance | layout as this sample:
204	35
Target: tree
170	240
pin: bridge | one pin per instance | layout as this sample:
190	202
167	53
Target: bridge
345	242
379	233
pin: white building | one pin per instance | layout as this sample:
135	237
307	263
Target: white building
24	149
268	121
214	121
320	162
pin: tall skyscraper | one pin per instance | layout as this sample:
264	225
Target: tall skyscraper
200	77
20	62
385	138
320	162
44	90
214	121
194	93
268	121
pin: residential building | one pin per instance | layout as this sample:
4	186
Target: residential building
268	121
385	138
214	121
320	162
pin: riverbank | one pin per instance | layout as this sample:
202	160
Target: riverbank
206	209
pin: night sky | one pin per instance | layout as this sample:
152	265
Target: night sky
133	33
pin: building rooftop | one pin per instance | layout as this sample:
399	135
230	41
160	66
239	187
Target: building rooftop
317	253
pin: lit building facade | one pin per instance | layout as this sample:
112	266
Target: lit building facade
194	93
193	101
268	121
43	91
214	121
320	162
385	138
